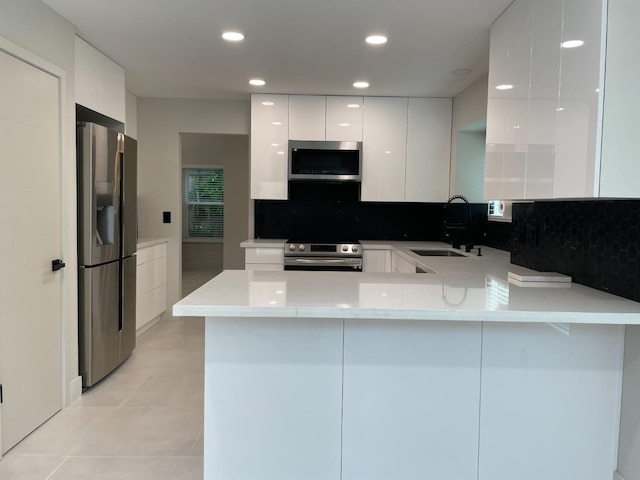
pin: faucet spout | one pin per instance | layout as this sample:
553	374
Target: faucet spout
455	227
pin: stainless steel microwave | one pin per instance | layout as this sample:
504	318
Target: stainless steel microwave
325	161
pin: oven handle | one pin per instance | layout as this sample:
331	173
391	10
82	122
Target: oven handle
323	260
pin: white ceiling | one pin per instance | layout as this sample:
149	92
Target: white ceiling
172	48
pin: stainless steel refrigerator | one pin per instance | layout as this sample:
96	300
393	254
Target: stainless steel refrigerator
107	221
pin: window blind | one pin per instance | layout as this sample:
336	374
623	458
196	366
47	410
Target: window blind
203	202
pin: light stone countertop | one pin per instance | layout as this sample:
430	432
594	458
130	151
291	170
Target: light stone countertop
263	243
461	289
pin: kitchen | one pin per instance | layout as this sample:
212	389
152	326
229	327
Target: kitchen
159	121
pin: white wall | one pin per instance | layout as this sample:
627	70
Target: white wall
131	119
35	27
160	122
232	153
469	106
470	153
629	446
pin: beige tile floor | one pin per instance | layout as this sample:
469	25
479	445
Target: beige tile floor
142	422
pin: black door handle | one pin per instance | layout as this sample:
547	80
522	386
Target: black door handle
57	265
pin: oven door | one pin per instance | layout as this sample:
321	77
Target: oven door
323	264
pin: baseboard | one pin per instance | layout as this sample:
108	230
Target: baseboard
75	389
617	476
148	325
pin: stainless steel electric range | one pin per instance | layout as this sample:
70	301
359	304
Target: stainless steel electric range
323	255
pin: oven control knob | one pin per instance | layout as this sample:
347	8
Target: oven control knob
345	248
292	247
301	248
354	249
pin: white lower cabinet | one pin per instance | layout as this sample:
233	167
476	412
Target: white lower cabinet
410	402
550	393
376	261
151	279
277	388
264	258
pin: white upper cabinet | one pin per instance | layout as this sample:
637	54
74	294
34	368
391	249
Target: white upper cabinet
269	145
543	99
344	119
573	134
406	142
307	117
384	149
99	82
578	136
428	150
620	138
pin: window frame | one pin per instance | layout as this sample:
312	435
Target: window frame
185	204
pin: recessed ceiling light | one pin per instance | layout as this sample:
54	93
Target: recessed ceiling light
268	104
361	84
233	36
353	105
344	124
461	71
504	87
387	151
276	123
376	39
275	144
257	82
572	43
280	152
559	109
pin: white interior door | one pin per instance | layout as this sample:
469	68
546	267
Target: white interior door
30	319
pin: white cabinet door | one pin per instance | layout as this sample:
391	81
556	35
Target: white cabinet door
410	401
344	119
578	129
307	117
496	109
269	144
384	149
278	404
543	99
428	150
544	390
517	59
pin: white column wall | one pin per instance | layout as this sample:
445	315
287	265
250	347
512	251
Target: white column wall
160	122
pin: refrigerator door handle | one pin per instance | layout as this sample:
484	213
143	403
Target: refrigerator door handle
116	189
57	265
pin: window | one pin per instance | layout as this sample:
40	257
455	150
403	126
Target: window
203	190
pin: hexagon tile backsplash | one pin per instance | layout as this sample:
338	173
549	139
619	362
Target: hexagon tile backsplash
596	242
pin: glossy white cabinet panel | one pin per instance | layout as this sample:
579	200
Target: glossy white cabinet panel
428	150
264	255
401	265
344	119
620	138
269	145
307	117
578	130
99	82
384	149
376	261
411	393
543	99
273	391
544	390
628	459
151	279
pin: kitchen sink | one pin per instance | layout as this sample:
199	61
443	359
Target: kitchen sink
438	253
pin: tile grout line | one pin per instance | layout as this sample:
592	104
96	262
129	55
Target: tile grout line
57	468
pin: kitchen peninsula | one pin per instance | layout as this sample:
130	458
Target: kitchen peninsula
455	374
